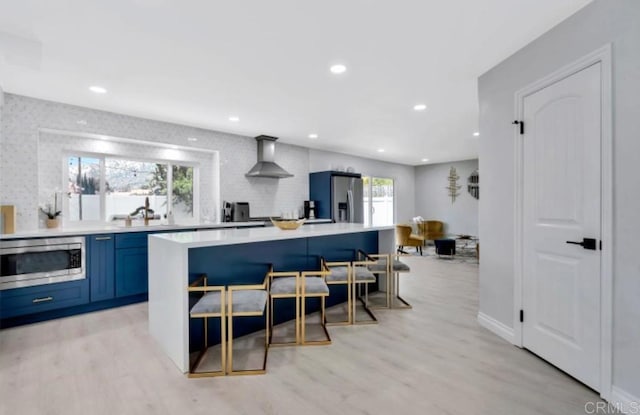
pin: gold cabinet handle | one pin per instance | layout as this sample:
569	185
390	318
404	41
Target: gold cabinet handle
103	238
42	299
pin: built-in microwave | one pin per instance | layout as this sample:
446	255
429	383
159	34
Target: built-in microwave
28	262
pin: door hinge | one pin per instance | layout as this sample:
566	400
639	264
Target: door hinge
601	245
521	124
521	316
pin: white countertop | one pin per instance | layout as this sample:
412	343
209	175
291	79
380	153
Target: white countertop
106	228
250	235
90	230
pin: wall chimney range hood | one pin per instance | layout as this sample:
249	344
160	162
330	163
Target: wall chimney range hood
266	167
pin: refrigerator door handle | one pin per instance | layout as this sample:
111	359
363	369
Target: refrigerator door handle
350	204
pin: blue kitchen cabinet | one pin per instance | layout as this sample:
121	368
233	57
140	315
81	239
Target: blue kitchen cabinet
132	267
101	266
30	300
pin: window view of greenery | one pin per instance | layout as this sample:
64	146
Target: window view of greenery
127	184
182	191
378	201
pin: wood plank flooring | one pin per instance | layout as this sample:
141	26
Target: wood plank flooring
433	359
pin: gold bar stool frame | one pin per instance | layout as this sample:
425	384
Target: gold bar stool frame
245	301
380	266
211	304
396	267
284	285
313	285
360	275
339	274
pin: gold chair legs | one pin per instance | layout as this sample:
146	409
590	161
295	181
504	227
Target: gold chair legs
396	267
248	301
313	285
339	274
210	305
284	285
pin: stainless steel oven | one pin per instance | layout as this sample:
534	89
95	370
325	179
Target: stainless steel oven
28	262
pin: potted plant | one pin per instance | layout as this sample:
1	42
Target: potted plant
52	212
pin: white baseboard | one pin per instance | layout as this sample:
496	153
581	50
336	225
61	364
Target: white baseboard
624	401
496	327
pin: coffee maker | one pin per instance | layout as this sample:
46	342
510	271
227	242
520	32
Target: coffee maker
226	211
310	209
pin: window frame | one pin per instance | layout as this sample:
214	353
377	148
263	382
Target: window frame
370	186
103	196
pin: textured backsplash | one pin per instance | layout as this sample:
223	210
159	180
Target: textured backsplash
23	162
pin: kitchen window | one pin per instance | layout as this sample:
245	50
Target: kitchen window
378	201
105	188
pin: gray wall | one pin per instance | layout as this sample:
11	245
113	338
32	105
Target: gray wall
404	177
599	23
433	200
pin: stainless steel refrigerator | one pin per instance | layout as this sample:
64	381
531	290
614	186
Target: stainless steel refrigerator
346	199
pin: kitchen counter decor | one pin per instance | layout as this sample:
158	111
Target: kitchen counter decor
287	225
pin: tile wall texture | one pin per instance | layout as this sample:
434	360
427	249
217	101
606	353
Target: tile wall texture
23	117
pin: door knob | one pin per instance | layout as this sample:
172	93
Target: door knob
587	243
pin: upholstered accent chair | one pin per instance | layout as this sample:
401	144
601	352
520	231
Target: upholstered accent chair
431	230
404	238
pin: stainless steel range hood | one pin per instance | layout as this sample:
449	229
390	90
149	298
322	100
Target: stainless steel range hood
266	167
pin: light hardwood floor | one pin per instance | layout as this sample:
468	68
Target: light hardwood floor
433	359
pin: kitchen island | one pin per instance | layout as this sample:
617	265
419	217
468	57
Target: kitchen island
240	256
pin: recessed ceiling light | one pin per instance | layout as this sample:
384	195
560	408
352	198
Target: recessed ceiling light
420	107
98	89
381	150
337	69
476	134
234	118
192	139
313	135
425	160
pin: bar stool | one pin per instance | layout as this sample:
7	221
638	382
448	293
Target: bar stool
360	275
313	285
211	304
397	267
247	301
380	266
284	285
339	273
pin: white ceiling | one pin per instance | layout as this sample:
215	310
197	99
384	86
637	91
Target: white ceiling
199	62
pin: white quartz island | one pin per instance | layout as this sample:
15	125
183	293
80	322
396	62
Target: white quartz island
231	256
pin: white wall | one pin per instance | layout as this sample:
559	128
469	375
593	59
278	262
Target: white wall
599	23
404	176
23	116
434	203
20	171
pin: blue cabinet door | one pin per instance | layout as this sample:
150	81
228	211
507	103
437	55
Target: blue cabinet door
101	266
132	271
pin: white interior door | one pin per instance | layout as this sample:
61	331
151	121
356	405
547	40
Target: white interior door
562	202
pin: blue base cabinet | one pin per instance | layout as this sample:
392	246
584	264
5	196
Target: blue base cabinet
30	300
132	271
132	267
101	266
